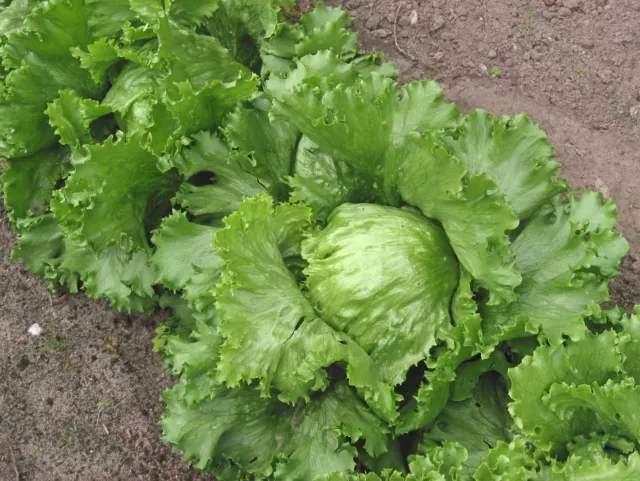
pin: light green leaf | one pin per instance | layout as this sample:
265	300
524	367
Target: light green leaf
269	145
385	277
477	424
226	182
40	65
591	360
115	193
323	184
473	213
71	117
514	153
40	242
614	404
363	122
182	247
282	343
508	462
559	253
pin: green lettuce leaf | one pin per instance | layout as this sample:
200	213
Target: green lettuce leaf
364	122
40	63
514	153
28	182
567	254
283	343
114	195
322	183
478	423
385	277
269	145
72	116
181	248
473	213
593	360
239	434
217	182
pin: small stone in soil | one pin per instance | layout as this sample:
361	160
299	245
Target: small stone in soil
492	54
373	21
564	12
35	329
381	33
572	4
635	112
437	23
438	56
536	55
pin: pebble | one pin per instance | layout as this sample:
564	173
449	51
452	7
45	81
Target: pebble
437	23
492	54
438	56
536	55
373	21
587	43
573	4
546	14
413	18
635	112
381	33
35	329
564	12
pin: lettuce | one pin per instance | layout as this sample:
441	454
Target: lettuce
366	284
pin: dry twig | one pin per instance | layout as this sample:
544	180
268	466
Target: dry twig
395	34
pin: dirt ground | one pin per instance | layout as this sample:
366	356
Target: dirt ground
572	66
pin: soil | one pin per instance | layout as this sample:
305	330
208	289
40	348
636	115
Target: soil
81	401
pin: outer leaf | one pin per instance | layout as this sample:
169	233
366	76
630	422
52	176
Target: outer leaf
240	434
29	182
591	360
463	342
477	424
508	462
474	214
194	359
71	116
559	253
601	469
614	404
514	152
122	277
230	182
270	145
182	246
385	277
363	122
40	242
42	63
112	193
327	29
323	184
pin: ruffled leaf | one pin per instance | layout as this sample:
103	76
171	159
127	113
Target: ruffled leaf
473	213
